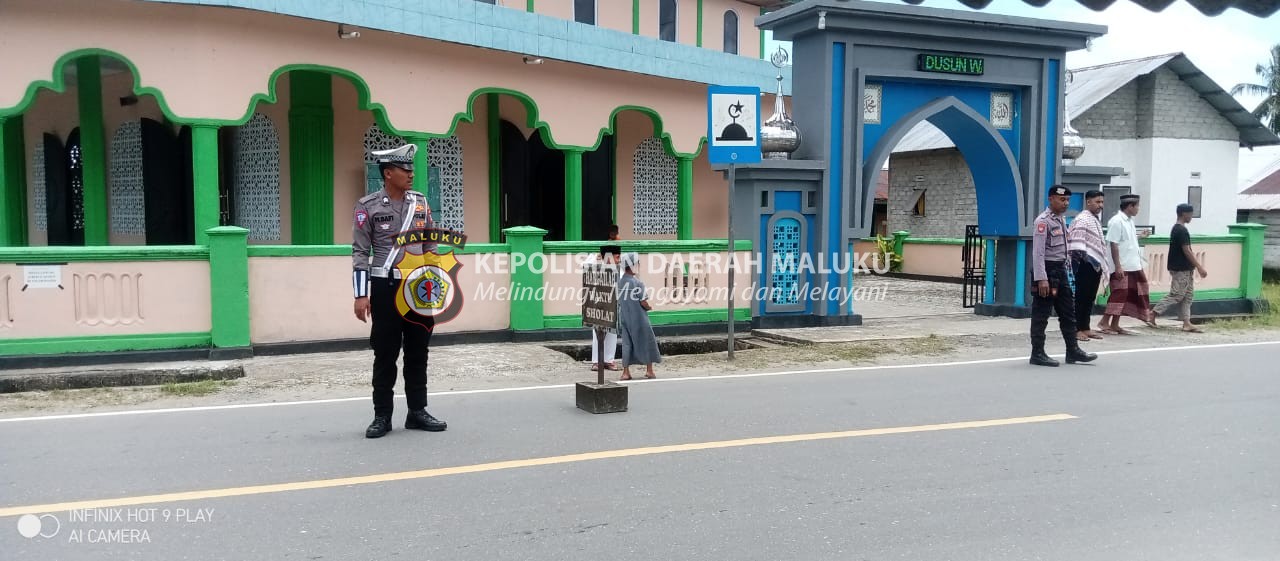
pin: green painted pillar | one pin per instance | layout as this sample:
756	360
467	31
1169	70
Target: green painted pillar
1250	257
229	289
311	157
635	17
573	195
699	23
13	183
527	265
421	163
684	198
493	117
93	150
204	163
529	6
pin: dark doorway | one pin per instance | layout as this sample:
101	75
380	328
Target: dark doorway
166	184
63	203
597	190
515	177
532	182
546	187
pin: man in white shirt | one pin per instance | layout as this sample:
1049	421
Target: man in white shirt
1130	291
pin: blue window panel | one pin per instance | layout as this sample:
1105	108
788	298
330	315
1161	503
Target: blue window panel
785	253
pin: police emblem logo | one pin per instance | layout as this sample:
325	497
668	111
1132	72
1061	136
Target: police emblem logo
1040	228
429	288
361	218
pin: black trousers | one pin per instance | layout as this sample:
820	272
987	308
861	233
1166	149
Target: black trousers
390	332
1087	281
1063	303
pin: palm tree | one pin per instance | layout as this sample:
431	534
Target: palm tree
1269	110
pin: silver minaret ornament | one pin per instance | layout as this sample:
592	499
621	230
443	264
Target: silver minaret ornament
779	136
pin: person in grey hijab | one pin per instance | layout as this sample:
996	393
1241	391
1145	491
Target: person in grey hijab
639	345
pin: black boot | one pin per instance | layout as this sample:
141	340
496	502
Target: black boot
420	419
1076	354
378	428
1039	358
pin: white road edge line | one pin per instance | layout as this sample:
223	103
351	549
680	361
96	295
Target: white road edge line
659	380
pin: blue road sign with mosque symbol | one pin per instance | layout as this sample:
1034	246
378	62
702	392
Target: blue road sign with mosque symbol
733	125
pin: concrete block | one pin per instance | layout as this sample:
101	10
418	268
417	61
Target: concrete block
601	398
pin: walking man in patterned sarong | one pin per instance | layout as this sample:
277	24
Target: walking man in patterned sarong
1130	291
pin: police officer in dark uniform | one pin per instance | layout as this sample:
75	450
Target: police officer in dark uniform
1053	286
379	218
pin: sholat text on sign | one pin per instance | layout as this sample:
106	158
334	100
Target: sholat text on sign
600	307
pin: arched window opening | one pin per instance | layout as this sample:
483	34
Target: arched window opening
731	32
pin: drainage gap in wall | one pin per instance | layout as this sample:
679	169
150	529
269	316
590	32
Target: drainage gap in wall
668	346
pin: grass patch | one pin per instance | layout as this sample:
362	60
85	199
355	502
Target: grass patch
862	352
1269	320
932	345
203	387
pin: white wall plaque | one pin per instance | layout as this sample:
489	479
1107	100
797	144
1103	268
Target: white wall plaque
41	276
871	95
1002	110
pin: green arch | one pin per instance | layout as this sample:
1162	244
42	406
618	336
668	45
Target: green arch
57	84
535	122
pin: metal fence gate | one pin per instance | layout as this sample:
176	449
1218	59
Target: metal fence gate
975	271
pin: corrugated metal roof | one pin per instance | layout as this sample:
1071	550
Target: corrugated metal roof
1260	8
1269	185
1258	202
1253	174
1092	84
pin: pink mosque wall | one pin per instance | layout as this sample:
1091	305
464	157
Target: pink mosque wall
474	138
188	52
349	126
286	304
562	9
713	26
123	298
235	45
613	15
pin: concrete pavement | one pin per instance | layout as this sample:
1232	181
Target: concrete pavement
1169	456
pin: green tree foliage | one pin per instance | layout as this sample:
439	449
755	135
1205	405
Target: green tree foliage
1269	110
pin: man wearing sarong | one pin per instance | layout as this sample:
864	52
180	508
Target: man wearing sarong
1130	292
1090	260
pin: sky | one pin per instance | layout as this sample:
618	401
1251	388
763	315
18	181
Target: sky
1226	47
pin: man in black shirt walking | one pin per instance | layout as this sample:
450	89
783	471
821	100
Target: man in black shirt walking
1181	262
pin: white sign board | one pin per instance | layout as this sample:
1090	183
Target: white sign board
733	125
42	276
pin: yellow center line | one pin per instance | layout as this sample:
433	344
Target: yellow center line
510	464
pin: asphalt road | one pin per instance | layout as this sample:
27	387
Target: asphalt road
1163	455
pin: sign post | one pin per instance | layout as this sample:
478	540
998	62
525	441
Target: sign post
600	312
733	137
